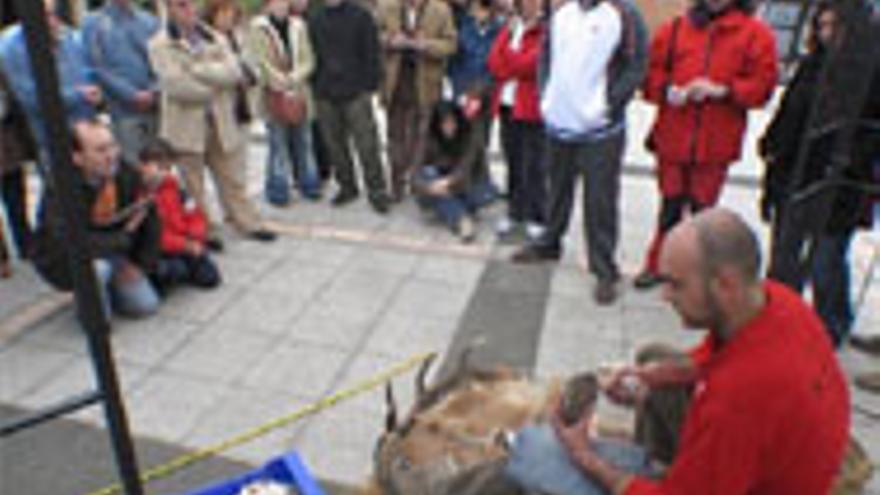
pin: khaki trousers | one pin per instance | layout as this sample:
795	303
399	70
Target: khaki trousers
228	172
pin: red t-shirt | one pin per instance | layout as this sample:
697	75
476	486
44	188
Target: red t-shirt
769	413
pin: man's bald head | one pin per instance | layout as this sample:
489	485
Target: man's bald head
725	240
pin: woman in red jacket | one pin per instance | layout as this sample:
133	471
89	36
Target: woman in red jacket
707	69
513	61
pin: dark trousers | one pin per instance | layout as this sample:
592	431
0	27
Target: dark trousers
407	129
524	147
599	163
13	189
322	156
828	271
185	269
343	122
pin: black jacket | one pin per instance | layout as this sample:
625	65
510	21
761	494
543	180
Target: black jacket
781	143
347	52
49	253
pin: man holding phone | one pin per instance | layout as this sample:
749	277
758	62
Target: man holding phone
123	230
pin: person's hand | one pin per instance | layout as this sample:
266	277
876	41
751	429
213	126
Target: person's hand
418	44
623	384
144	100
195	248
702	89
399	41
676	96
575	437
136	220
439	187
91	93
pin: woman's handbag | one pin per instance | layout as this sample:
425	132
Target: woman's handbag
285	106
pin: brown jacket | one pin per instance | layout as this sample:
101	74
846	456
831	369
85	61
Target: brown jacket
274	67
194	83
436	27
16	144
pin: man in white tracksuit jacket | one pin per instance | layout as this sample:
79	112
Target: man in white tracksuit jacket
594	59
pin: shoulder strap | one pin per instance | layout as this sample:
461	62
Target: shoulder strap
670	48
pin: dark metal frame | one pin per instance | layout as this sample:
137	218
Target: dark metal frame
95	324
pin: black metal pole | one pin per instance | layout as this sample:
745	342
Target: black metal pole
60	178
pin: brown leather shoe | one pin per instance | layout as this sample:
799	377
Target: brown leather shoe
605	292
869	382
869	344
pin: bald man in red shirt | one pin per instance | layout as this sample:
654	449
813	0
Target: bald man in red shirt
769	408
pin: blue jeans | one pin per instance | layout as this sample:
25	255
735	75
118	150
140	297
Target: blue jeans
539	463
290	152
830	278
450	209
137	298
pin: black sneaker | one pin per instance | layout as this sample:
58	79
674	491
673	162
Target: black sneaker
647	280
536	254
343	198
262	235
214	244
381	204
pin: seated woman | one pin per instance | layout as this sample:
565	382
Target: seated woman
443	182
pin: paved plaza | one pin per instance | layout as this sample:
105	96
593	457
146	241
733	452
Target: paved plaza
342	295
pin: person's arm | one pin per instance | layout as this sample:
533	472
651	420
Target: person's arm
261	46
95	52
444	43
371	67
755	81
497	61
306	66
174	78
220	68
658	79
634	40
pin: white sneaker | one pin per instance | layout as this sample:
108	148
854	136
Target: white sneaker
467	229
504	226
534	231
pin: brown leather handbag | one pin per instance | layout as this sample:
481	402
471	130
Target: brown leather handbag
285	106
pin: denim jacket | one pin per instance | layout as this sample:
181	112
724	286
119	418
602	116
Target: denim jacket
468	68
73	72
115	40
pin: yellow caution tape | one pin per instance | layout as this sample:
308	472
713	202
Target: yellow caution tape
169	468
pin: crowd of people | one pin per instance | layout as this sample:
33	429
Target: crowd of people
558	76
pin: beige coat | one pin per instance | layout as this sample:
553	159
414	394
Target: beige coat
274	69
194	83
437	27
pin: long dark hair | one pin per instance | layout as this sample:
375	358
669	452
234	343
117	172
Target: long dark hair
456	144
813	43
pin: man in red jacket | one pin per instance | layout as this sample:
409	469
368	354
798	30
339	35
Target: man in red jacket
707	69
768	410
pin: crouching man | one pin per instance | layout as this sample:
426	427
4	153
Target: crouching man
123	231
759	407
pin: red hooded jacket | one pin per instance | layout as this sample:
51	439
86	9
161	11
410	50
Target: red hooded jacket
520	65
179	224
736	50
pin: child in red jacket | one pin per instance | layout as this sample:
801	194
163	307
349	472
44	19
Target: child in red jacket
184	253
